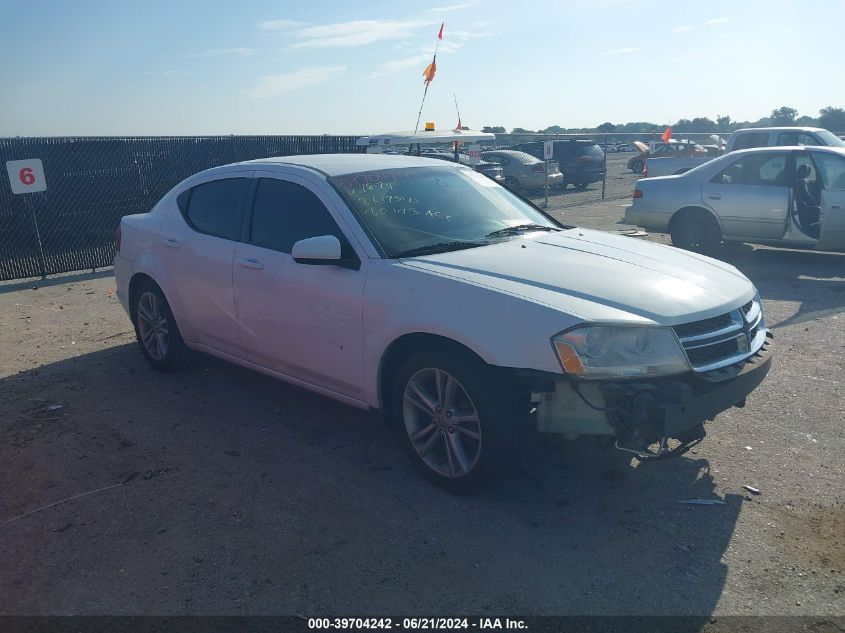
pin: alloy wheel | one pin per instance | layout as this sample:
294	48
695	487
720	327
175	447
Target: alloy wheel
153	327
442	422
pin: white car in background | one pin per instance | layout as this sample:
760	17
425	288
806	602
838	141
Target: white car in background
426	291
782	196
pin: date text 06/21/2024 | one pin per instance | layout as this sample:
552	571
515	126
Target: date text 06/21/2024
416	624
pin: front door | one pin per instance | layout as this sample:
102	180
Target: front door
302	320
752	196
831	170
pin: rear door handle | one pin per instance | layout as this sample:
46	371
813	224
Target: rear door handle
252	264
715	196
835	206
170	242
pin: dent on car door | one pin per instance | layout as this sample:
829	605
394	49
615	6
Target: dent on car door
751	196
831	169
197	245
302	320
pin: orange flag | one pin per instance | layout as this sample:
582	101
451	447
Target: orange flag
428	73
667	135
440	34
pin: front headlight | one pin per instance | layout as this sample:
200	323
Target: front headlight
603	351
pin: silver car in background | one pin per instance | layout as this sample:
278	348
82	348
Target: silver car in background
524	172
785	196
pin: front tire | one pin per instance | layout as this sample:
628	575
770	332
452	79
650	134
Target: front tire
637	165
456	419
156	329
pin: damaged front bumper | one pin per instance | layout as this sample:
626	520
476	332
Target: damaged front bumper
649	417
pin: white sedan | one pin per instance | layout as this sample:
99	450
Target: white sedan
426	291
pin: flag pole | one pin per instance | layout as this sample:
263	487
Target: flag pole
425	92
457	109
419	114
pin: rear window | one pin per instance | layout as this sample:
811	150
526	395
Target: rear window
594	151
216	207
522	157
751	139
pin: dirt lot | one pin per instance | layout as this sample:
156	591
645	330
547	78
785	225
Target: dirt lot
241	494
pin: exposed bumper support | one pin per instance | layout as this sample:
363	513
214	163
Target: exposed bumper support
648	412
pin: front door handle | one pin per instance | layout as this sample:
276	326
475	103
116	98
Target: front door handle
170	242
252	264
715	196
835	206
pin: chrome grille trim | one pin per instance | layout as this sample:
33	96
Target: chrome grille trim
747	329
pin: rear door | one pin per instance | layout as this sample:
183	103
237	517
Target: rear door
831	170
302	320
752	196
196	249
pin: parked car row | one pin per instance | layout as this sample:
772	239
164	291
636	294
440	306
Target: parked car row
744	139
581	161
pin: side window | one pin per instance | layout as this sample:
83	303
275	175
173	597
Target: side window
756	169
493	158
752	139
285	212
831	169
216	207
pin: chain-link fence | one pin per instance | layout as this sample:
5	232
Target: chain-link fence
93	182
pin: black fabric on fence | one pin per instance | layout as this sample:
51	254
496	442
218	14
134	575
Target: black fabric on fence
93	182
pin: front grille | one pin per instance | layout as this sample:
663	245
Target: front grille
722	340
702	327
709	354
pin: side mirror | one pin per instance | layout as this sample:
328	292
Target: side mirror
321	250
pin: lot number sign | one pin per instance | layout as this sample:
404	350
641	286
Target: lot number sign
548	150
26	176
474	152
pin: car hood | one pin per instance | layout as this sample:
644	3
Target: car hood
599	276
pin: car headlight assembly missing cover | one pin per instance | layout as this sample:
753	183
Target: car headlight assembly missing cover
604	351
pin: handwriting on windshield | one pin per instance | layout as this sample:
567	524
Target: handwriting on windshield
377	199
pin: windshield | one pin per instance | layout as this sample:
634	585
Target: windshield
414	208
830	138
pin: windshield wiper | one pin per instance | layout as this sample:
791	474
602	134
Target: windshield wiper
520	228
439	247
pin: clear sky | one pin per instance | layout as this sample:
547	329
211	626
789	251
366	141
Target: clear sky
156	67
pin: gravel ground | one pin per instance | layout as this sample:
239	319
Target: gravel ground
218	490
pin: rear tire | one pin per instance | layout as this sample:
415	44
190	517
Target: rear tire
697	232
637	165
156	330
457	420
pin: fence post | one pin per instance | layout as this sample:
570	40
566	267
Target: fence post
43	260
604	168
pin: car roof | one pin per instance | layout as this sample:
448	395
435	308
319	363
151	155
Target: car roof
791	128
512	152
782	148
341	164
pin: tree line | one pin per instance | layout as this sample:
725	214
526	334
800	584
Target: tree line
829	118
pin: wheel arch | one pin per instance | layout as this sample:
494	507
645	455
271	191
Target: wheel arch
693	210
402	348
135	283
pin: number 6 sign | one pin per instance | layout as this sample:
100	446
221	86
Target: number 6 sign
26	176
